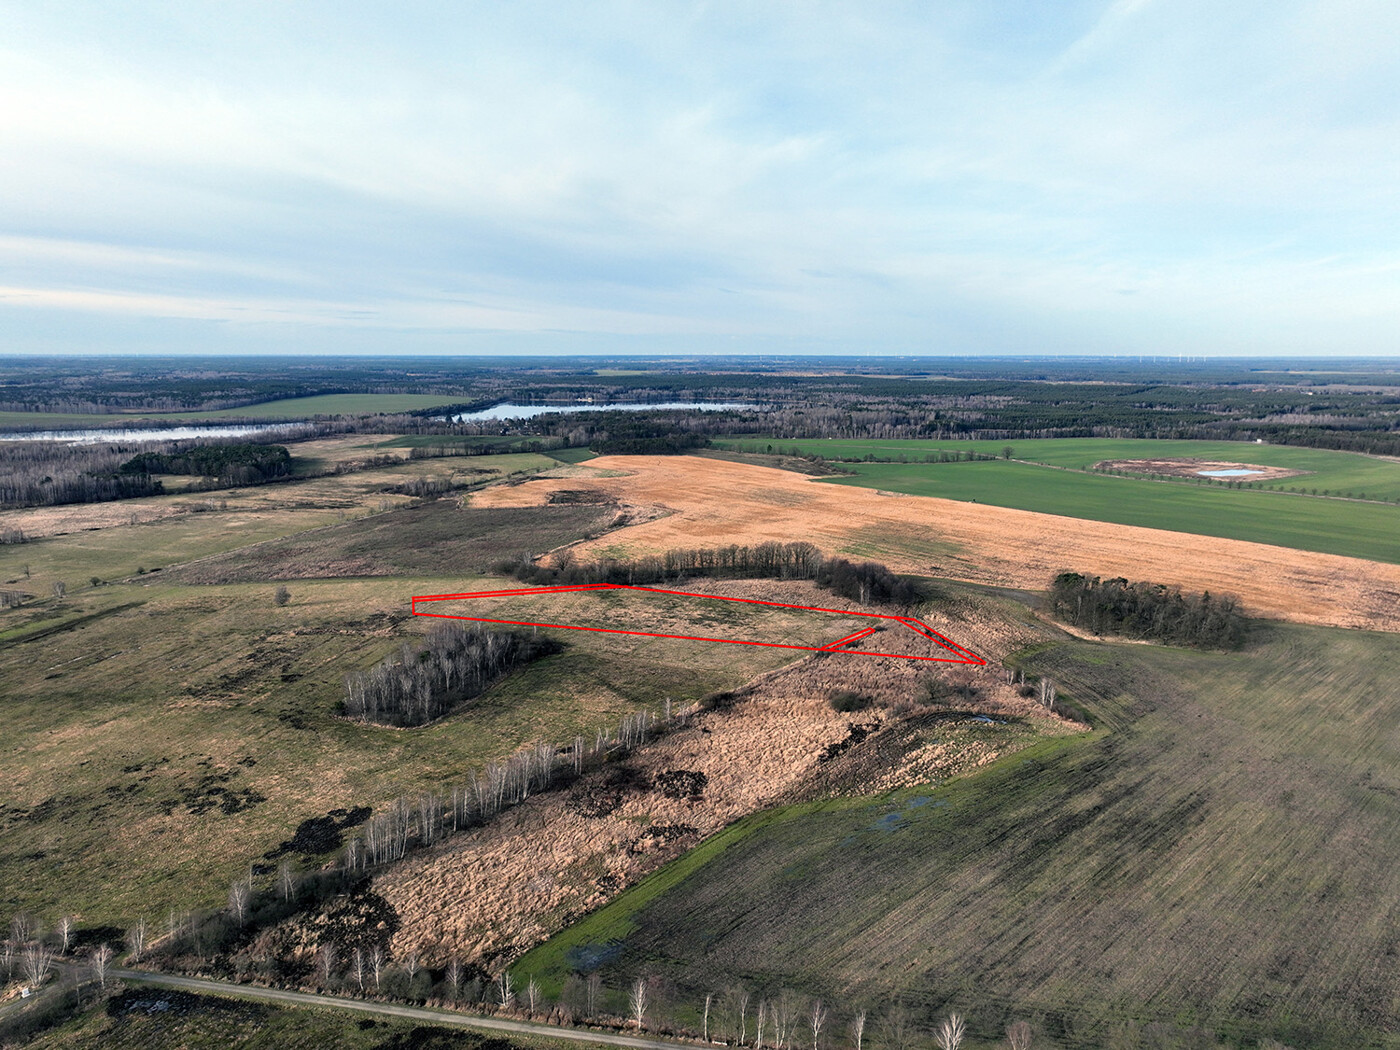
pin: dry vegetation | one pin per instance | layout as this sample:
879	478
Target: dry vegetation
1193	468
709	502
497	891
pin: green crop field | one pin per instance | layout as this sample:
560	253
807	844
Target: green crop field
1217	855
1334	526
1344	474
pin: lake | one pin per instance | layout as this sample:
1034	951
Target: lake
509	410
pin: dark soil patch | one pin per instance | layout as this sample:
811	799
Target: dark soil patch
682	783
320	835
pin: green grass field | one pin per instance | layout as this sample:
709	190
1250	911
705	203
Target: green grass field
1333	526
1218	855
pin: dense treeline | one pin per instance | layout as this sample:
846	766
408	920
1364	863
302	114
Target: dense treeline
241	464
48	473
1149	611
456	663
866	582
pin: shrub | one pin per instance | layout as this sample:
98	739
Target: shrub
849	700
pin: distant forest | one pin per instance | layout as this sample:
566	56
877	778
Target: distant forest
1149	611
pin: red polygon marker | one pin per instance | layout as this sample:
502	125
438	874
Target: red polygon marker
957	654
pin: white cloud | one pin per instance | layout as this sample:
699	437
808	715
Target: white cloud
633	170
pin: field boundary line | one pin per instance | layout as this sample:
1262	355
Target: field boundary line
957	654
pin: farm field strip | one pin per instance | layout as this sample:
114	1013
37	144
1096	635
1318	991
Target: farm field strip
1338	472
547	614
1216	855
707	502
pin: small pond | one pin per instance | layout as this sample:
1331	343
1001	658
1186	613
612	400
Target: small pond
1237	473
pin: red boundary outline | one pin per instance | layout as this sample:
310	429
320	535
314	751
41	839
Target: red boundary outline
958	654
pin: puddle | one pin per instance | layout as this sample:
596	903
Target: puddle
1228	473
591	956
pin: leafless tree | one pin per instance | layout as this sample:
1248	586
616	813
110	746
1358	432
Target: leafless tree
758	1024
357	967
595	993
858	1028
454	976
101	961
287	878
325	961
38	961
897	1028
376	966
817	1022
709	997
950	1032
532	995
743	1007
23	928
7	956
238	896
412	965
505	991
637	1003
136	940
1018	1035
64	929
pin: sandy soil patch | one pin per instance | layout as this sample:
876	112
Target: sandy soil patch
710	502
1198	468
489	895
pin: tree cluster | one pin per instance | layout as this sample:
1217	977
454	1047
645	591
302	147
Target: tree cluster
238	464
868	582
1150	611
456	663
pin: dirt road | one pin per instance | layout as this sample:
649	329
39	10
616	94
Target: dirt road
409	1013
712	502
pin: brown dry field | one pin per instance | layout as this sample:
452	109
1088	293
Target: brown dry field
493	893
1191	468
711	502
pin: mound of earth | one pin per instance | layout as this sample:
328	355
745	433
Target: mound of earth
1198	468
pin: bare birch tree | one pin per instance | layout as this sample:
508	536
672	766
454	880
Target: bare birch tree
325	962
101	961
454	976
637	1003
136	940
505	991
709	997
287	878
950	1033
64	929
858	1029
357	968
376	966
595	993
238	896
1018	1035
38	961
817	1022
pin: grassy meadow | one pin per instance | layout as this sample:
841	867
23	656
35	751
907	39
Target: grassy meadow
171	723
1049	477
1217	856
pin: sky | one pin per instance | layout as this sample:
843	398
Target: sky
1201	177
